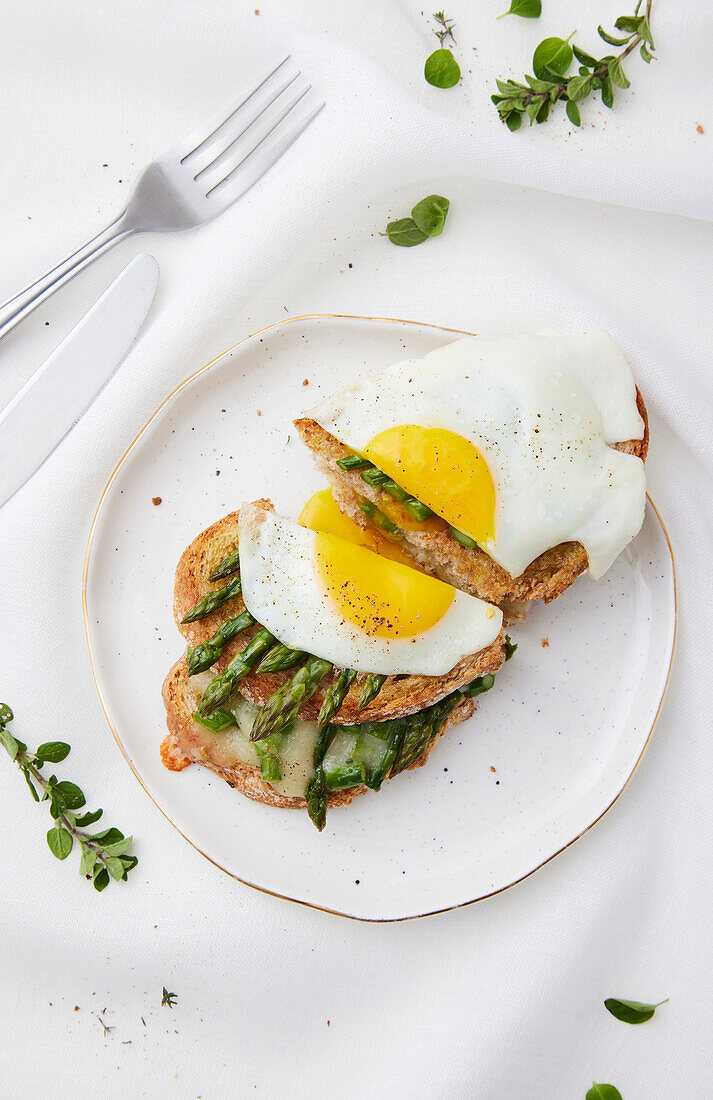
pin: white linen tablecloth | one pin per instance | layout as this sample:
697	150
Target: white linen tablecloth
608	226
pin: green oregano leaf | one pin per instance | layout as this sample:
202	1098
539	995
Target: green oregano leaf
430	214
631	1012
108	836
60	842
8	742
584	58
603	1092
552	57
616	74
128	863
26	773
441	69
513	121
544	111
101	878
53	751
607	92
526	9
88	819
611	38
405	232
630	23
578	87
645	32
72	795
87	860
115	868
573	113
119	847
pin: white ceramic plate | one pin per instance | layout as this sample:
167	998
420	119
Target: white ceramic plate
550	748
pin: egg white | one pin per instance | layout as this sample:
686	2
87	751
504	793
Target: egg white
281	587
543	410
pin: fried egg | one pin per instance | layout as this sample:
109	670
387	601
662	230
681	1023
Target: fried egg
340	601
509	440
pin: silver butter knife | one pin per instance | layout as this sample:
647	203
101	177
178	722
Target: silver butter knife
55	397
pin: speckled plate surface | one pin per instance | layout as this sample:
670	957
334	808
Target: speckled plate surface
547	753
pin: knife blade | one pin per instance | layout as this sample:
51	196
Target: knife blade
60	392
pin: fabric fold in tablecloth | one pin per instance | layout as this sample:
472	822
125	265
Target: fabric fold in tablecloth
503	1000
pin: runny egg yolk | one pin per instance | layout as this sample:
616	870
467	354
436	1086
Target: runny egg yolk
381	597
321	513
444	471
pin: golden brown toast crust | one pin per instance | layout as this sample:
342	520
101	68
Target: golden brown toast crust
437	552
189	743
399	695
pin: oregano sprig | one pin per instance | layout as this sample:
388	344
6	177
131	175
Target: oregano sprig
444	28
104	855
552	83
441	68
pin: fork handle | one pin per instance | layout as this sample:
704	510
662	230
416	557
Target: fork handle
18	307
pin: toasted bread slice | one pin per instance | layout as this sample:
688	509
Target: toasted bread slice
399	695
188	743
436	551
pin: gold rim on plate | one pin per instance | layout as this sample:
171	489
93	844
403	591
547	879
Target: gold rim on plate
85	615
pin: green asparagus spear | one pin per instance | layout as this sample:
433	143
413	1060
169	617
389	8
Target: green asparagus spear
374	477
335	696
422	728
213	600
216	722
378	517
464	540
396	737
372	687
317	793
270	770
268	752
479	685
207	653
280	657
322	743
350	774
220	687
229	565
418	510
317	796
379	480
354	462
281	708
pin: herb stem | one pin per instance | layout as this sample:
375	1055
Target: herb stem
79	835
538	95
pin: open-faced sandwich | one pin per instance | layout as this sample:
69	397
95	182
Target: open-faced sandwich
505	465
316	668
327	657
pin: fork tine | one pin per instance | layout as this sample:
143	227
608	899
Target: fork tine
207	129
217	149
255	163
225	166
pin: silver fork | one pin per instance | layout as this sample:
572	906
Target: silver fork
195	180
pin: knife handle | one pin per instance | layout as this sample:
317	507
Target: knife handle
18	307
